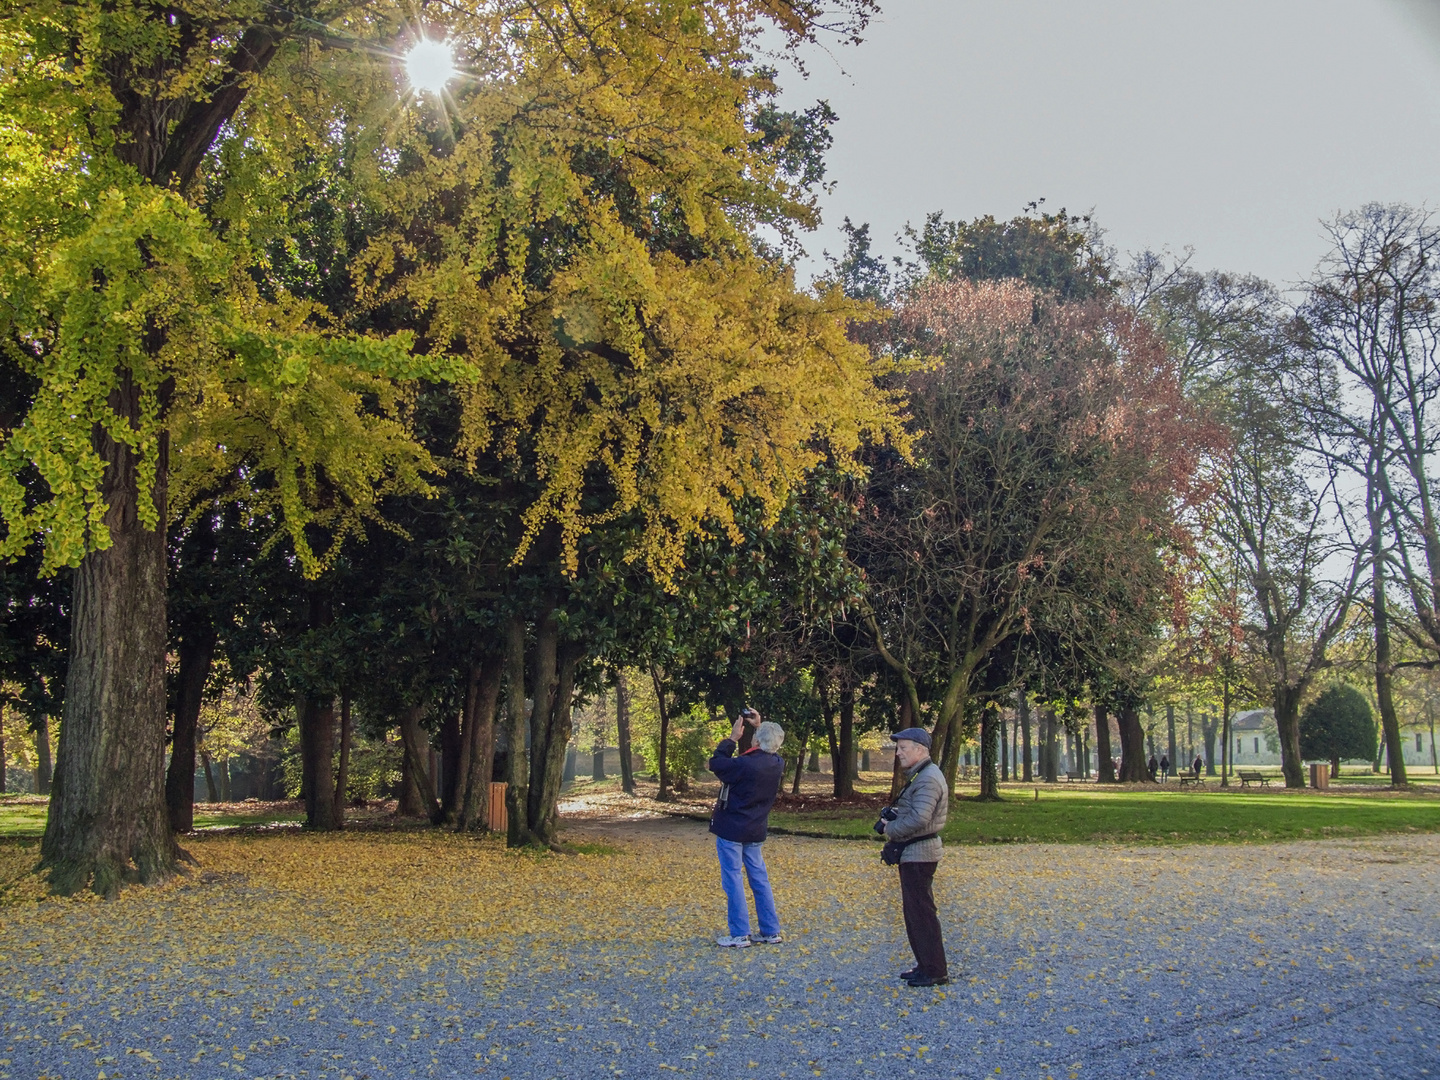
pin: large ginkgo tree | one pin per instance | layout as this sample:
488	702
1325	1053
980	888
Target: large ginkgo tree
566	233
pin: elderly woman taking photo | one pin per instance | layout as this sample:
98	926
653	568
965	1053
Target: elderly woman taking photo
749	783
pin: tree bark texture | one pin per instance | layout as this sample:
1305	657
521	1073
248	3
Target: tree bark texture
409	804
1004	748
843	762
1047	746
317	762
2	748
44	770
1225	734
108	822
1380	621
342	772
211	791
417	753
452	767
197	651
483	695
1132	747
1027	759
989	752
1208	727
517	770
664	766
622	733
547	751
1287	720
1106	771
1173	754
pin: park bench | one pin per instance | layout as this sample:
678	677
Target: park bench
1190	778
1071	777
1251	776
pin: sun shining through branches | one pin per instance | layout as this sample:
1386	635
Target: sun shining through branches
430	66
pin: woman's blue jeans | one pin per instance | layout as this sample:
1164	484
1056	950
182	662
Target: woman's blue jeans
732	857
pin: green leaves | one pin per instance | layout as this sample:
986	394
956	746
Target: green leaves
116	304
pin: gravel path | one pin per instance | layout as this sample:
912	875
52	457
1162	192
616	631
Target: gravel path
372	957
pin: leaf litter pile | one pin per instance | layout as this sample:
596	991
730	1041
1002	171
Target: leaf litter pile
408	954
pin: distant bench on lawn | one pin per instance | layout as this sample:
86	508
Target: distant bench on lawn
1251	776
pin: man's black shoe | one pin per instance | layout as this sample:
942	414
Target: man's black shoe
908	975
928	980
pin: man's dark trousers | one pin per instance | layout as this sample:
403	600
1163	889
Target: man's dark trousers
922	922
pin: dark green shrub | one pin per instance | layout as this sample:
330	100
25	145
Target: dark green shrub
1338	724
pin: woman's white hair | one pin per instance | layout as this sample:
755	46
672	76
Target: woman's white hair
769	736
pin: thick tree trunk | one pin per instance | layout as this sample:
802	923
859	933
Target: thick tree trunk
827	715
211	791
547	757
317	762
1132	747
1225	758
480	764
452	767
622	733
1287	720
44	771
225	780
107	822
843	761
1047	746
342	773
410	804
1027	759
663	768
1004	748
3	758
417	753
1106	770
1384	677
989	766
1208	726
197	651
1173	754
465	751
517	770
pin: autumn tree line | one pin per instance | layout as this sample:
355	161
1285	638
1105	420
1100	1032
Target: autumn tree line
432	414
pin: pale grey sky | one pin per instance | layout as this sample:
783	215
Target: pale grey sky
1231	126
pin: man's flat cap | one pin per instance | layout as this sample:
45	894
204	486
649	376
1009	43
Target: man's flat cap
914	734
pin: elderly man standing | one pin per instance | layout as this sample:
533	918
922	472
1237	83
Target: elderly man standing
749	783
914	824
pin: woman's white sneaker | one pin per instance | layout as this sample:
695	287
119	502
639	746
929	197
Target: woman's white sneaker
741	942
766	939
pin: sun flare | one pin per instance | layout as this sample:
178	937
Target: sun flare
430	66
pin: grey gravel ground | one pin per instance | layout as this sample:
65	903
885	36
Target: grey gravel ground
1313	959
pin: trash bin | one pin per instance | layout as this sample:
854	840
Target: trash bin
499	821
1320	775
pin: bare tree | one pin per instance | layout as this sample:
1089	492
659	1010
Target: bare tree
1371	328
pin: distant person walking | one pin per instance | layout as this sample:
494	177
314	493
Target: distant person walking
1199	764
1154	768
749	783
913	824
1164	768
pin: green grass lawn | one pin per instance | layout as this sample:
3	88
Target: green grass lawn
25	816
1066	815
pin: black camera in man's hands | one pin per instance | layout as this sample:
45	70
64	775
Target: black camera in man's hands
887	814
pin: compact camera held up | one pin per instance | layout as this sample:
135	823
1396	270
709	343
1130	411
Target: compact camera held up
887	814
